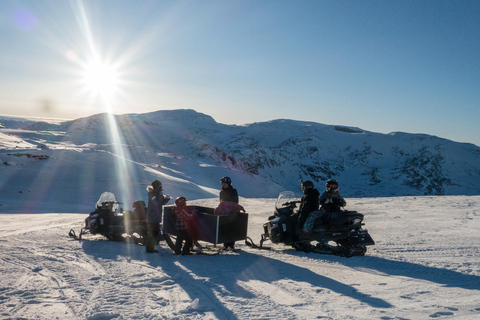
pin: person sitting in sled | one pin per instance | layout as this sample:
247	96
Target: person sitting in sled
308	202
330	201
156	200
184	226
228	193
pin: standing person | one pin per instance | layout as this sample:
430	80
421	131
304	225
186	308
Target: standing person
228	193
330	201
183	226
308	203
156	200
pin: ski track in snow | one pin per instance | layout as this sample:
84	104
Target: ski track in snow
426	264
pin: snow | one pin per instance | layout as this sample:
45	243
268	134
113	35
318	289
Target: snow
425	264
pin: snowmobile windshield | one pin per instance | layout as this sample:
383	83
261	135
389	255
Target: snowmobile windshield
285	196
107	197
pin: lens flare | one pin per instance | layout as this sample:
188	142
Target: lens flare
101	79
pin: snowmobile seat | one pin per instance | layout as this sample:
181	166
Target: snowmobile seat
342	220
139	211
343	217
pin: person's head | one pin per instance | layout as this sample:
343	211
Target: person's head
226	182
157	185
181	202
332	185
307	186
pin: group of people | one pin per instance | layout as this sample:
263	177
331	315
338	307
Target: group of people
314	207
184	216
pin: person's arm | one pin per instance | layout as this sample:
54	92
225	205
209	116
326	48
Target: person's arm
323	198
235	195
166	198
343	202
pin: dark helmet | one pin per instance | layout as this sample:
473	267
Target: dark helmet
226	180
181	201
332	185
157	185
307	185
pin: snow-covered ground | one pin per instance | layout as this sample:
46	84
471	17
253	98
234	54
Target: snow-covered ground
425	264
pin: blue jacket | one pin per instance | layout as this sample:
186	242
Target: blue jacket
156	200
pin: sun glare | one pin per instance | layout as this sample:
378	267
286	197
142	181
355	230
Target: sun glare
101	79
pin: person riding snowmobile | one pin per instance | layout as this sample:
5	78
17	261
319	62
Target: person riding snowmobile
308	203
330	201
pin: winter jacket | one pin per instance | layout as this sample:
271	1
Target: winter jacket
227	207
331	202
229	194
156	200
308	203
185	218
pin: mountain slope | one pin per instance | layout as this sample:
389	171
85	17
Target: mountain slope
190	151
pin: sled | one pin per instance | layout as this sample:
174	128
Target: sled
207	227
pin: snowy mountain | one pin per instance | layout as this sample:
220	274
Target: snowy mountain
45	162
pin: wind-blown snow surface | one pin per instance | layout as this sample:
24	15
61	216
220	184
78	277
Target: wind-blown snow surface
46	163
425	264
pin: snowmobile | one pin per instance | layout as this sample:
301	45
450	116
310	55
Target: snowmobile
338	233
118	226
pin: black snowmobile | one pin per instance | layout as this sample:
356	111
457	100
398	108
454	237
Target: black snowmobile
118	226
339	233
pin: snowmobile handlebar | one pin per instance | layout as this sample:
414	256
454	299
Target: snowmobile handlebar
291	203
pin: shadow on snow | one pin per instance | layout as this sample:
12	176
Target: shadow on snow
204	276
448	278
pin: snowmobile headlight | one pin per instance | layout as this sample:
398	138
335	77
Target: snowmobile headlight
356	221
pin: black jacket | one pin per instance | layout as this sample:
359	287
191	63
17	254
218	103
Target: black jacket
331	202
309	203
229	194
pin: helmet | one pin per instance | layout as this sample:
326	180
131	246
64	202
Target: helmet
307	185
332	185
226	180
157	185
181	201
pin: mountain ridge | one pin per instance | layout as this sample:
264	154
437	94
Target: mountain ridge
191	151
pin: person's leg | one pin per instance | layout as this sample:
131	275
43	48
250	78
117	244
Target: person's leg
152	232
187	246
179	242
310	222
227	245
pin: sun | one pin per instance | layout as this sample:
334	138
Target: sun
101	79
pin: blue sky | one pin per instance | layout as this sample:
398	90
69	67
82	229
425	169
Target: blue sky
383	66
